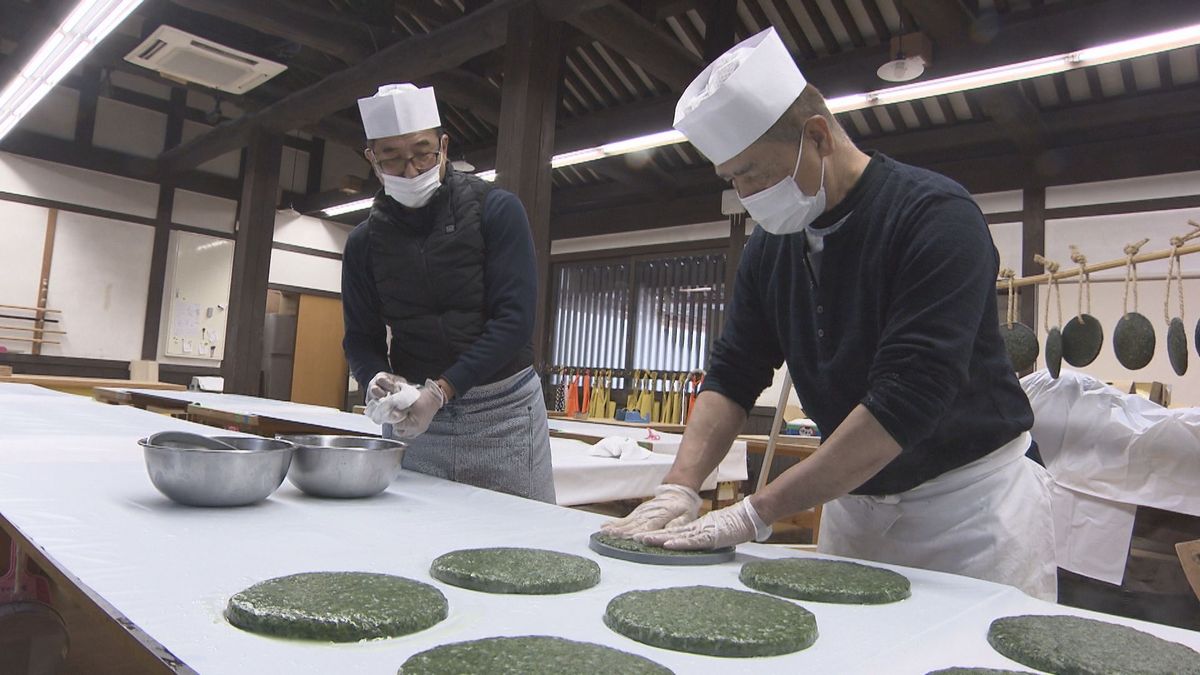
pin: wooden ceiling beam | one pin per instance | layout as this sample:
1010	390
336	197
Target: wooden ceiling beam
962	150
430	13
326	32
348	40
408	60
948	22
627	33
1023	38
1125	157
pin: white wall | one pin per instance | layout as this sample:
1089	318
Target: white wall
1000	202
54	115
39	178
1103	238
21	259
99	280
100	270
130	129
204	211
300	230
226	165
293	170
305	271
1124	190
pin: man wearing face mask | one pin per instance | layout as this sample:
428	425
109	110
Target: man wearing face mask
445	262
874	282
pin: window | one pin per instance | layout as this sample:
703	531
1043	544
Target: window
680	309
664	316
591	316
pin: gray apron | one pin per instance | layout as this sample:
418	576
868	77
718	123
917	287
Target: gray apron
494	437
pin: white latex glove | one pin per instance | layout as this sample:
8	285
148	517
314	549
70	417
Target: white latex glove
393	408
420	414
672	505
382	384
729	526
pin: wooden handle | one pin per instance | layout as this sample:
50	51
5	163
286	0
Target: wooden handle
36	341
1097	267
27	329
32	309
769	455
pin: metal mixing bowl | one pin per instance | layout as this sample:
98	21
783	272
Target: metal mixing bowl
199	476
344	467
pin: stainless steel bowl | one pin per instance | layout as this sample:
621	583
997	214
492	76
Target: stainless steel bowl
344	467
199	476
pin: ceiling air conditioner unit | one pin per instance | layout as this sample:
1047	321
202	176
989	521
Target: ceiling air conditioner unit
188	58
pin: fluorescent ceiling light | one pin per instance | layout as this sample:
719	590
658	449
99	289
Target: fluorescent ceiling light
349	207
1023	70
1014	72
87	24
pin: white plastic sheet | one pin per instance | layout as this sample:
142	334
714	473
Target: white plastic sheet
731	468
170	569
1108	453
1116	446
1091	534
583	478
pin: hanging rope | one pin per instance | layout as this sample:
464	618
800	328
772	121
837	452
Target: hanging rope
1008	274
1051	268
1085	282
1175	271
1131	251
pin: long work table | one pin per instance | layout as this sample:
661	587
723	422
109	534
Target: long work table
579	476
75	494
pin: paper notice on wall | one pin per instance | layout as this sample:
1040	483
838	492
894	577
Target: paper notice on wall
186	319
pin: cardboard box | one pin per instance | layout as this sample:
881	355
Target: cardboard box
143	371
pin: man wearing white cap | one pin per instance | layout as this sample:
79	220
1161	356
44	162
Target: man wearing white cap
874	281
445	262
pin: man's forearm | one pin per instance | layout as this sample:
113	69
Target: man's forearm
711	429
858	450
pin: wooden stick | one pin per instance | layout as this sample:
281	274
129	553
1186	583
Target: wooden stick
769	455
31	309
26	329
44	283
1097	267
36	341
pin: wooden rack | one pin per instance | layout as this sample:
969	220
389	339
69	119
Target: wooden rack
38	331
1002	284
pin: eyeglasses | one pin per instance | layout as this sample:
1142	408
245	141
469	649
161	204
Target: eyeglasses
396	166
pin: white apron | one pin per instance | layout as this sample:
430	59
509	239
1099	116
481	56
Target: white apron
989	519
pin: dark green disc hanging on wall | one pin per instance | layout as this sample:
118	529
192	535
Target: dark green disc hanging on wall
1082	339
1082	336
1134	341
1021	344
1177	347
1020	341
1054	352
1133	338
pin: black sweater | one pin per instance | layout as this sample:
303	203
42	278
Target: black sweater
902	320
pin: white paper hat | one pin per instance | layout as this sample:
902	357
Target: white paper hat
739	96
399	109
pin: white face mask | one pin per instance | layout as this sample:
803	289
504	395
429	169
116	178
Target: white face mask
412	192
783	208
